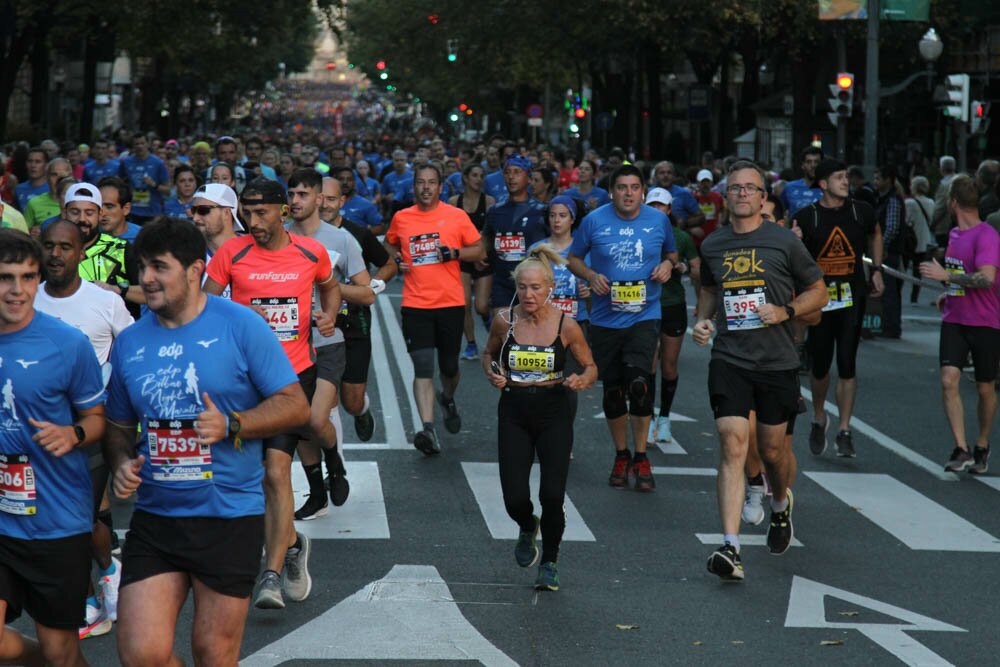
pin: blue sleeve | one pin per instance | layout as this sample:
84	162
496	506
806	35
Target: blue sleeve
122	170
784	201
374	217
669	242
268	365
86	388
119	407
581	239
690	205
162	175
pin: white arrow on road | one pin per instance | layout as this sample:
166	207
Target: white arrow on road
407	615
806	609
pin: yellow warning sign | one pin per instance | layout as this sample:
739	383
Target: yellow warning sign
837	257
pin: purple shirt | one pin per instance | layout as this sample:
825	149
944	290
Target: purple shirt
968	251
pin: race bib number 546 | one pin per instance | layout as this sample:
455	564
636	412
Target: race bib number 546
282	314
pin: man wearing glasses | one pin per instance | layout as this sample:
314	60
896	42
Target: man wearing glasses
755	279
213	211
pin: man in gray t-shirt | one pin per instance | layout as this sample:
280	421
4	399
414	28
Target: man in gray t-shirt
755	279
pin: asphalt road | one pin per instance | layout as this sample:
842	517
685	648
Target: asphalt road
896	560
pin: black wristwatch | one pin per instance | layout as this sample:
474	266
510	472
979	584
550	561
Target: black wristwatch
790	311
877	268
448	254
235	426
81	435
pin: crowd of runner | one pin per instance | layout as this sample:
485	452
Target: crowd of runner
180	318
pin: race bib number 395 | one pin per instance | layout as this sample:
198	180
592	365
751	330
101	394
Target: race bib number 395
282	314
17	485
175	453
741	305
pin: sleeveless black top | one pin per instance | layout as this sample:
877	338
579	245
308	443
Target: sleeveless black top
527	364
478	216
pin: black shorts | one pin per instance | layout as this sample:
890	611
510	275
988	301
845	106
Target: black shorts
841	329
287	442
735	391
359	357
440	328
223	554
958	340
330	362
46	578
614	349
673	320
470	268
501	295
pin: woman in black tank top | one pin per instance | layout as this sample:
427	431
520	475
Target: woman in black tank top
477	281
525	357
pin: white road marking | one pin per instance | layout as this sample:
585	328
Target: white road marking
484	480
806	609
409	614
745	540
696	472
894	446
989	481
913	518
674	417
362	517
394	334
672	447
391	414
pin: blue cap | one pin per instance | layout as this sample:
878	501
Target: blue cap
566	201
518	161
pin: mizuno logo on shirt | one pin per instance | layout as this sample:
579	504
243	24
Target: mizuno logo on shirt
25	364
207	343
274	277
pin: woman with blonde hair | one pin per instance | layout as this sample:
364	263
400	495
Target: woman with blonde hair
525	357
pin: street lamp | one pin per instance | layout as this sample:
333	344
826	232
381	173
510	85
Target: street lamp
930	46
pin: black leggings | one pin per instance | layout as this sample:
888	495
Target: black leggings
536	420
841	328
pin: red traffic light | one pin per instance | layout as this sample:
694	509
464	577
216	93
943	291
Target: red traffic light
331	66
433	18
980	110
463	107
380	65
580	113
845	81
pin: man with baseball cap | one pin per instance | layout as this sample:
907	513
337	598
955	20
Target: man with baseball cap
274	272
213	211
711	205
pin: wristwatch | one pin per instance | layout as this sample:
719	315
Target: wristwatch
790	311
81	435
234	427
876	267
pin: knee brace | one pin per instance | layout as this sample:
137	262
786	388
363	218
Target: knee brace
423	362
614	402
640	397
448	365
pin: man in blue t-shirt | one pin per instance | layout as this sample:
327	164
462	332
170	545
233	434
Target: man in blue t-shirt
632	250
511	228
207	380
51	405
799	194
495	184
149	179
684	206
354	207
397	185
100	166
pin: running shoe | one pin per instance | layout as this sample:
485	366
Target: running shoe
845	445
364	425
96	622
548	577
427	442
663	434
753	505
780	533
452	421
651	433
269	591
726	564
295	580
116	545
314	507
108	584
471	352
642	472
960	460
619	473
981	460
817	438
526	552
340	488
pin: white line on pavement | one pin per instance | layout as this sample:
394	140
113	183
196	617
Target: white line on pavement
395	433
696	472
362	517
745	540
894	446
403	362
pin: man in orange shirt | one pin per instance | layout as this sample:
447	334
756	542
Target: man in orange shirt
273	272
428	239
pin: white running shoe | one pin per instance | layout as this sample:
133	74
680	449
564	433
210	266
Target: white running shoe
753	506
109	589
663	435
96	622
651	435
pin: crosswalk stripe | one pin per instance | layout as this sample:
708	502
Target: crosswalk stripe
672	447
990	481
484	480
696	472
913	518
391	414
674	417
362	517
752	540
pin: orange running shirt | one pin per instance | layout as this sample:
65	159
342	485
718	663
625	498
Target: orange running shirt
431	283
280	282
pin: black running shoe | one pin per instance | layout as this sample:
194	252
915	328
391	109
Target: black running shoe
725	563
780	533
817	438
427	442
960	460
340	488
981	460
845	445
526	551
452	421
314	507
364	425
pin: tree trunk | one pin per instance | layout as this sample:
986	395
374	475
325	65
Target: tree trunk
89	90
39	108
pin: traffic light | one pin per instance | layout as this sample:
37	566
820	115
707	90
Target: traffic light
380	65
580	113
331	66
979	120
462	107
452	50
841	98
957	86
